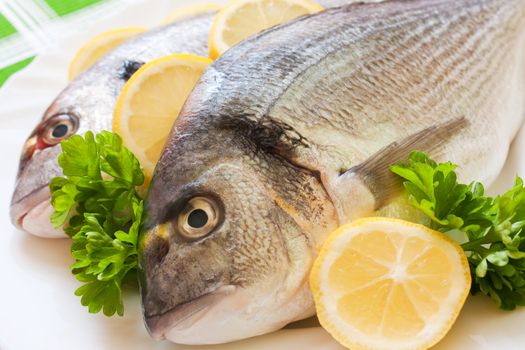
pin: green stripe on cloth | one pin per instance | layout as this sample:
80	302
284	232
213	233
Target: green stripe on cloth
6	28
28	27
6	72
65	7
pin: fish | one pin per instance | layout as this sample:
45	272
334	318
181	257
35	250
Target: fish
289	135
87	103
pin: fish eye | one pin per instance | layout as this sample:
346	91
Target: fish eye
198	218
58	128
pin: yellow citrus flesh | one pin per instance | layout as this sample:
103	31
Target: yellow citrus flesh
382	283
243	18
190	11
151	101
98	46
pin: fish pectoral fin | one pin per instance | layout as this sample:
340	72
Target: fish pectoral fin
371	185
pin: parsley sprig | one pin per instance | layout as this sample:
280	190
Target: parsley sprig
98	204
491	229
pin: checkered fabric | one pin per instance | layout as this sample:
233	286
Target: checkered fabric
27	27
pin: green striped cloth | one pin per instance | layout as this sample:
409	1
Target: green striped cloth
27	27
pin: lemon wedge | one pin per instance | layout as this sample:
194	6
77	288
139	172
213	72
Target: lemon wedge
243	18
150	102
382	283
98	46
190	11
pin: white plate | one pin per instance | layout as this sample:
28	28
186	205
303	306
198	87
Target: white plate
37	307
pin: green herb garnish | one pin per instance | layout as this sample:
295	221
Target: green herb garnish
491	229
98	203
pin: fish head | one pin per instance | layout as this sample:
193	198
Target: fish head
75	111
228	240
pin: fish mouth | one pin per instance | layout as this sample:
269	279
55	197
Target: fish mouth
32	212
186	314
24	205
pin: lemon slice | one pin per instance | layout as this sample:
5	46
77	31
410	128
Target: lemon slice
151	101
98	46
190	11
383	283
242	18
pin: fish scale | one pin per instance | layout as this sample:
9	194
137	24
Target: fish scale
368	82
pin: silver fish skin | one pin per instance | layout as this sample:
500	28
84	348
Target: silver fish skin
267	156
87	103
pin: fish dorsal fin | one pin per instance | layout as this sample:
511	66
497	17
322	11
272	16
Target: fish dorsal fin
370	185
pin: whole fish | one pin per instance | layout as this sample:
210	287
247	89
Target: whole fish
87	104
290	134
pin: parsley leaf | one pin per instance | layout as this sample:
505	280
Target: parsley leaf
493	227
98	205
